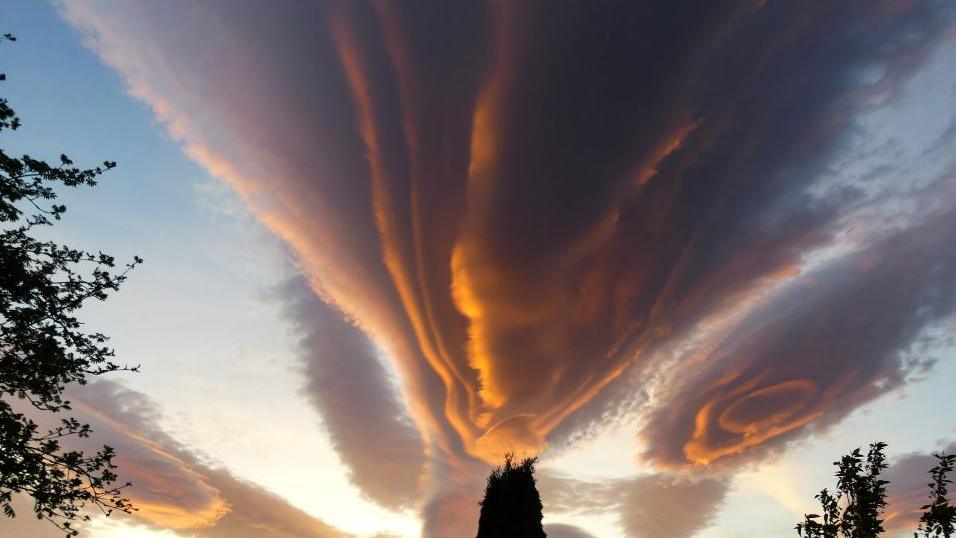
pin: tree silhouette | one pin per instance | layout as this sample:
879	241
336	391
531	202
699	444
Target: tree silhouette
854	509
939	517
511	507
42	345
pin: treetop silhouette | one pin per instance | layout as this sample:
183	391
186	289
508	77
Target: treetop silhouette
512	506
855	508
939	516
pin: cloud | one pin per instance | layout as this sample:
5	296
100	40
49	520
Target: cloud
172	487
360	409
26	524
451	513
560	530
257	512
452	504
661	506
542	211
647	506
908	490
823	345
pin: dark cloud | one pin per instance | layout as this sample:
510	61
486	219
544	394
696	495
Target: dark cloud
826	343
359	405
732	210
172	487
535	208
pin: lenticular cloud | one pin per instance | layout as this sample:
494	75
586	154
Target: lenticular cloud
527	208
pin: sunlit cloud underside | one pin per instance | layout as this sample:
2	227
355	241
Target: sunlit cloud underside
519	222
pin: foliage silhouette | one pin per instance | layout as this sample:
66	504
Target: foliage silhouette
511	507
853	510
939	516
42	345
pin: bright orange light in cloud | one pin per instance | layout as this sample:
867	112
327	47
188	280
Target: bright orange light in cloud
536	214
755	416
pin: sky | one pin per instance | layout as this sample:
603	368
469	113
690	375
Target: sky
686	254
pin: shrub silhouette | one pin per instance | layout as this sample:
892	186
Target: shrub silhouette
854	509
939	517
511	507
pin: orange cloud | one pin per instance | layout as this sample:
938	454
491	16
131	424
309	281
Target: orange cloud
172	489
534	210
811	351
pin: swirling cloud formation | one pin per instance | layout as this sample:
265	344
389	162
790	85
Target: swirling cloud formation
526	206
